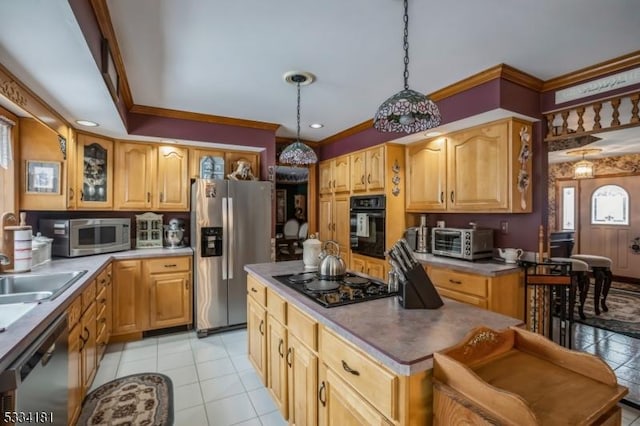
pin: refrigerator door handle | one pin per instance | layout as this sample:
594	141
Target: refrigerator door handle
231	238
225	227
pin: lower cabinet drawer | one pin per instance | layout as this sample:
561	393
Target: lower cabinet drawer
458	281
168	264
371	380
89	295
74	311
303	327
257	290
461	297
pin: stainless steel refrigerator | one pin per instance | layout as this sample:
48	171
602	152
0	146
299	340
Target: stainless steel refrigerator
230	227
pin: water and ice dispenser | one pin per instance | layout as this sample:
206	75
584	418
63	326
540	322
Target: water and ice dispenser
211	242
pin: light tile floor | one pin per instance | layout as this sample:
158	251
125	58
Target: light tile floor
215	384
213	380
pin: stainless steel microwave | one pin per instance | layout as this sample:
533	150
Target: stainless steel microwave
82	237
461	243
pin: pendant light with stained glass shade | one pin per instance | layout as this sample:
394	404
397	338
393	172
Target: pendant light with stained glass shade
298	153
407	111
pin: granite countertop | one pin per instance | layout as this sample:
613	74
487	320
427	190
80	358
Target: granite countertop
20	334
487	267
403	340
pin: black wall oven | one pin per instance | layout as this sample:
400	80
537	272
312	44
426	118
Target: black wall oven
367	221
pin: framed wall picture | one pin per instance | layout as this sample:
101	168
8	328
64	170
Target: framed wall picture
43	177
281	205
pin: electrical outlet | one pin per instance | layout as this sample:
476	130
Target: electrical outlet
504	227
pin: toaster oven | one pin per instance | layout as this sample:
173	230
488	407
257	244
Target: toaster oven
467	244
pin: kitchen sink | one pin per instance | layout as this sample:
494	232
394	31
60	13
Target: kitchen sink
33	296
36	287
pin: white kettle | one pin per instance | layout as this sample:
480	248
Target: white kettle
311	248
510	255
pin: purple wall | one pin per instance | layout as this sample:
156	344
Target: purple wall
175	128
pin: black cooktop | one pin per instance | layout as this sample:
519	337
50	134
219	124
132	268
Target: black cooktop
350	289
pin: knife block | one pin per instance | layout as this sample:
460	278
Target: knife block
417	291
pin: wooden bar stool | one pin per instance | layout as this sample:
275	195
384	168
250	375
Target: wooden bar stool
601	267
579	282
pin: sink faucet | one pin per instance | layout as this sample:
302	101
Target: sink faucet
4	259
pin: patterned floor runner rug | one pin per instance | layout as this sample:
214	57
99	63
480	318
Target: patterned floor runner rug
624	310
138	399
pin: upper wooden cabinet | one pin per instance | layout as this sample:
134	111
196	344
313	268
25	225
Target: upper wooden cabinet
93	187
334	175
173	178
151	177
40	150
367	169
483	169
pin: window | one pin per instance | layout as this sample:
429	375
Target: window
610	206
568	208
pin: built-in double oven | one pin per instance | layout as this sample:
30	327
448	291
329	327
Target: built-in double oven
367	223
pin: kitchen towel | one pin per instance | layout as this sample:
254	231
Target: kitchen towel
362	227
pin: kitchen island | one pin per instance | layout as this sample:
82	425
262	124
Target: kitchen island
370	361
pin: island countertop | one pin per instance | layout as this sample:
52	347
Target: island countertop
403	340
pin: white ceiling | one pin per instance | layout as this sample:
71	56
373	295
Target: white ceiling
227	57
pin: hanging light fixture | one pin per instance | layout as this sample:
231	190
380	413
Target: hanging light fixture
298	153
407	111
584	169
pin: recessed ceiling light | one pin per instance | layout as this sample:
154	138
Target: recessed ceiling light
432	134
87	123
316	126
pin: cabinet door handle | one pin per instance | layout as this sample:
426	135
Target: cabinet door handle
454	281
442	197
81	195
260	327
362	179
254	290
88	334
321	394
280	348
349	369
161	198
334	183
103	300
329	227
369	178
70	194
103	320
186	284
451	196
170	265
333	226
289	355
148	197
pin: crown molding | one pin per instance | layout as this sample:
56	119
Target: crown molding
206	118
503	71
368	124
598	70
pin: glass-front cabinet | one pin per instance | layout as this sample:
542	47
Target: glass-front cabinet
94	173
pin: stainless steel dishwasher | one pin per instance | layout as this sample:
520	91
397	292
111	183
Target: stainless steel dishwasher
35	386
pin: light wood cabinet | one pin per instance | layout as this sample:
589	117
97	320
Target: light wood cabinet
334	175
93	188
367	170
151	293
104	309
169	281
151	177
487	169
231	159
135	172
40	144
369	265
173	178
196	155
334	222
341	405
128	295
503	294
276	363
256	333
89	348
75	361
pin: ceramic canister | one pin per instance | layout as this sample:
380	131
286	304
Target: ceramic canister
22	250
